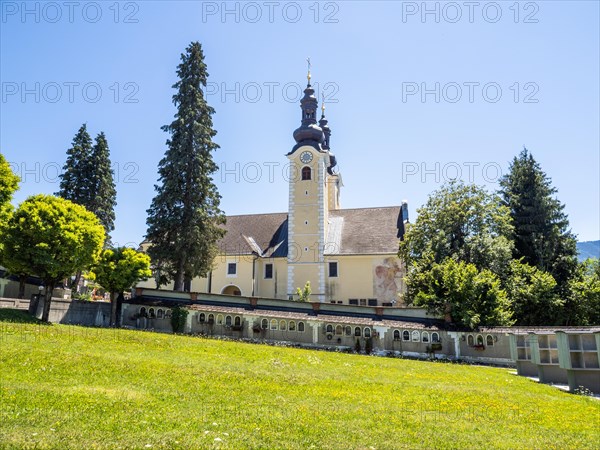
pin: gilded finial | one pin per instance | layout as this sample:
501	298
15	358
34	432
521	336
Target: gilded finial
308	75
322	104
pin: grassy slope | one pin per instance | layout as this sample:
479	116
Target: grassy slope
73	387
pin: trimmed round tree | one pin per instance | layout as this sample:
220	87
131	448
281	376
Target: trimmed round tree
52	238
119	269
9	183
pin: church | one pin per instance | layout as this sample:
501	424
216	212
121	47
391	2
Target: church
349	256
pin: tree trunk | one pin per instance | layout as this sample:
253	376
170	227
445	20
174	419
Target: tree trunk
113	309
120	299
75	284
448	312
22	279
48	300
180	276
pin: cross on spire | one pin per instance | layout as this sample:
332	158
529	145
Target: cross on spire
308	76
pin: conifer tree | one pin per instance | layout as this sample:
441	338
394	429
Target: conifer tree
75	179
102	202
184	218
541	234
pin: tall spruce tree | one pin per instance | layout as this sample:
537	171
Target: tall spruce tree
184	218
87	180
75	178
541	234
102	185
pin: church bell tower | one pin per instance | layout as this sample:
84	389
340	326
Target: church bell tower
310	169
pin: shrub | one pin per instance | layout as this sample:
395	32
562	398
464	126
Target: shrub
368	346
178	318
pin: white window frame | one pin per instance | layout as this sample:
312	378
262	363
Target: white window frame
231	275
272	271
337	265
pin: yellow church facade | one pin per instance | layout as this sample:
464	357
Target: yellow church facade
349	256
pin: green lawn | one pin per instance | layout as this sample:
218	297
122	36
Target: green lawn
73	387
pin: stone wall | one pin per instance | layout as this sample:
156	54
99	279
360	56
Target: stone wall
73	312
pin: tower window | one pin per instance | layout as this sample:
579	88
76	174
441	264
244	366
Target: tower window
306	173
333	269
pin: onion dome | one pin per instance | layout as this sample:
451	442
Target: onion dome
309	130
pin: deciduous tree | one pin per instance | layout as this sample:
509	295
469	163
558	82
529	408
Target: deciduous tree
120	269
583	305
468	297
533	296
9	183
461	222
52	238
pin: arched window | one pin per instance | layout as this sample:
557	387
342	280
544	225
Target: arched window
470	340
283	325
168	314
416	337
339	330
301	327
292	326
201	317
435	337
357	332
219	319
143	312
151	313
228	321
396	335
273	324
264	324
160	314
405	335
306	173
348	330
211	318
479	339
425	336
489	339
329	328
238	321
367	332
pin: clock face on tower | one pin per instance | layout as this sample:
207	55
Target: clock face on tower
306	157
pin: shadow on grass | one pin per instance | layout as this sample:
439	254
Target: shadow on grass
18	316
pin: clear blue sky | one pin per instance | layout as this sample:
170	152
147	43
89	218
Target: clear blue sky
507	77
